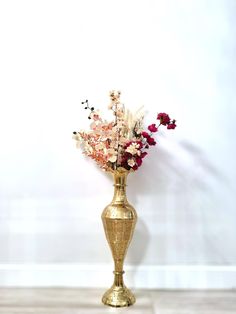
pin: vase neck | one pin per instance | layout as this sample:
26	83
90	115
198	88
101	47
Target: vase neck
120	188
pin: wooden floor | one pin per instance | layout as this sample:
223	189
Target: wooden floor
84	301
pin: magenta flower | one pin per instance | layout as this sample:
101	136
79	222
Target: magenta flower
145	135
152	128
151	141
164	118
172	126
139	161
143	154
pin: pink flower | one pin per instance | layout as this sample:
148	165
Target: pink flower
93	126
164	118
152	128
95	116
151	141
145	135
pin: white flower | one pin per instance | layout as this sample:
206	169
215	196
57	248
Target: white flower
76	137
112	155
139	131
100	146
113	158
111	151
131	162
119	113
123	140
120	124
88	149
133	149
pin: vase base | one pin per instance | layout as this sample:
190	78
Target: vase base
118	296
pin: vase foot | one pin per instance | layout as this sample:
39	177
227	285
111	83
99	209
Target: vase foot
118	296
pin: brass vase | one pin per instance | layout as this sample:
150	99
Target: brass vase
119	219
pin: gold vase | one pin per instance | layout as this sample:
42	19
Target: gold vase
119	219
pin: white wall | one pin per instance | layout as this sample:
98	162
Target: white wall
173	56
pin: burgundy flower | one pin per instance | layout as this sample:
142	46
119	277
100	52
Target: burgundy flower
135	167
145	134
151	141
171	126
143	154
139	161
164	118
152	128
127	144
125	165
140	144
134	142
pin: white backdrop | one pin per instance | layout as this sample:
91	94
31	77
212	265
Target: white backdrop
171	56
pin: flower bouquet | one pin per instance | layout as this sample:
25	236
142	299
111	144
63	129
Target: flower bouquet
123	142
119	146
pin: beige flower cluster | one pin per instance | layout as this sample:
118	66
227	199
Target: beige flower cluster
105	141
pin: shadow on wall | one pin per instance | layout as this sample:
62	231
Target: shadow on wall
180	172
182	164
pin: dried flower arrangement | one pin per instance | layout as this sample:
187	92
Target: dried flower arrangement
121	143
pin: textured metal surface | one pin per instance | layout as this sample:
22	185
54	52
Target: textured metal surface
119	219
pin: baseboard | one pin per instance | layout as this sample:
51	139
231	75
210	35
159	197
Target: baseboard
146	276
